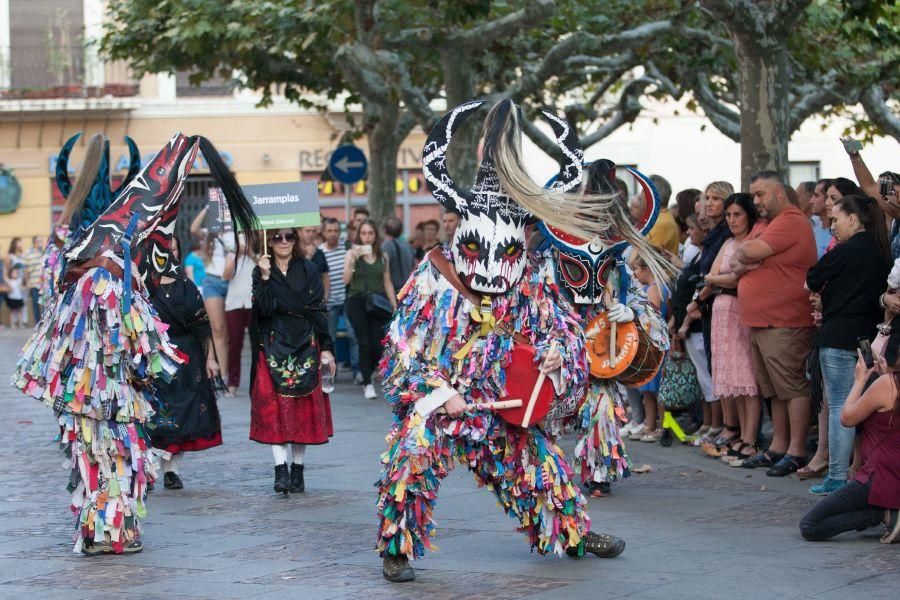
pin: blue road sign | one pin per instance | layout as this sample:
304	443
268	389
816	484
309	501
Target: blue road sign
348	164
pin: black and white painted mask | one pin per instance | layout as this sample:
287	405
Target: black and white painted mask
488	248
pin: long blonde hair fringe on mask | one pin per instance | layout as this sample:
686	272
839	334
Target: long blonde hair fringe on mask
90	168
583	215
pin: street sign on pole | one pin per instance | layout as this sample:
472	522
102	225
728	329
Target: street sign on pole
348	164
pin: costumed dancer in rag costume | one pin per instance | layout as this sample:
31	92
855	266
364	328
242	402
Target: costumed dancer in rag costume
451	338
291	347
187	418
86	200
100	346
599	282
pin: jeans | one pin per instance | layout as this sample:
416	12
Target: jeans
369	333
846	509
35	305
838	368
334	315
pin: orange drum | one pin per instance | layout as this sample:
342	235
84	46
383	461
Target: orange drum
636	360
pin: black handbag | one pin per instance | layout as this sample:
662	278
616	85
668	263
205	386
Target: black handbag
378	306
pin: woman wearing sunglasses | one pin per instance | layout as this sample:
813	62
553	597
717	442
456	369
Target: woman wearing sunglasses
291	345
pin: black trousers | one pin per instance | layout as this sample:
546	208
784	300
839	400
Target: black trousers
847	509
369	333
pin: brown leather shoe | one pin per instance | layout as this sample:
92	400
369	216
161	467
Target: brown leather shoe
396	569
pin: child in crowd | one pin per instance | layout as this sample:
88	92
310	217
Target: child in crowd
15	298
658	297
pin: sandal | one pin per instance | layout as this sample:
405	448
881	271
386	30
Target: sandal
738	452
808	472
740	460
766	458
787	465
709	436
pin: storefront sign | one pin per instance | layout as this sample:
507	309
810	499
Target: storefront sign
277	205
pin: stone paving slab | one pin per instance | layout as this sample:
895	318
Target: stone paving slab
695	528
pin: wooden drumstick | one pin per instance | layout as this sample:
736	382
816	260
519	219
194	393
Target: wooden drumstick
536	391
612	344
498	405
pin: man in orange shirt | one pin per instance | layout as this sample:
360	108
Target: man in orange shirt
775	305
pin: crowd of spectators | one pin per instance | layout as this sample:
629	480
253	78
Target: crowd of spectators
780	294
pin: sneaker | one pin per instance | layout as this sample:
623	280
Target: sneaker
357	378
396	569
369	392
636	433
827	486
892	520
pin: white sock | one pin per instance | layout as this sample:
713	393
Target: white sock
171	465
299	453
282	453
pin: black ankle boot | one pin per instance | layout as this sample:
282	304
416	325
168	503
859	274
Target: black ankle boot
297	484
282	480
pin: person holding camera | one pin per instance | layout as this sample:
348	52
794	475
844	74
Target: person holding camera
872	497
292	348
885	189
371	300
849	280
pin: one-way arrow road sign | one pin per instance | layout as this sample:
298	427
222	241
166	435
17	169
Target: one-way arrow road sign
348	164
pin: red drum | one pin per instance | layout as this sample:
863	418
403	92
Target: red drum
522	376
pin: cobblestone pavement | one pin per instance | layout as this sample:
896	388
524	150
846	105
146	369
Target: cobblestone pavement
695	528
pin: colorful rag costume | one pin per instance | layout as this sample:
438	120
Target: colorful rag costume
596	277
100	346
440	343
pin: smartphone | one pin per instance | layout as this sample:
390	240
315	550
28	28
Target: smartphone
887	186
851	145
365	248
865	348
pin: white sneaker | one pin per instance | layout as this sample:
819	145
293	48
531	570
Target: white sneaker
636	432
369	392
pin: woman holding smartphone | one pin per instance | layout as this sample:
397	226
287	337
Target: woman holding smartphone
872	497
371	298
849	279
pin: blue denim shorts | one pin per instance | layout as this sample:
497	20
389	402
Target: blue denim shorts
214	287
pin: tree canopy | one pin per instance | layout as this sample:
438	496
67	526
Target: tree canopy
396	59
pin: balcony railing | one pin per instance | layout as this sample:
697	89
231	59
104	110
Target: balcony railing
36	73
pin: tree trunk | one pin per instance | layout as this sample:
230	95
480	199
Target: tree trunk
386	130
764	95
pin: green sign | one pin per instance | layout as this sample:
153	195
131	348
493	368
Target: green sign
277	205
10	191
